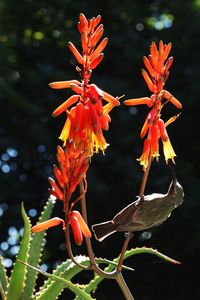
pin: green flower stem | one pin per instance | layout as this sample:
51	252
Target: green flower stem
116	274
91	255
69	249
129	234
122	284
124	248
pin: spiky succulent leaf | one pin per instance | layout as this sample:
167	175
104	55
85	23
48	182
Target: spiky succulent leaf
3	275
36	248
17	279
3	278
145	250
67	270
98	279
75	288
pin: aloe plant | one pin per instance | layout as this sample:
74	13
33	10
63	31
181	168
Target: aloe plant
21	284
87	117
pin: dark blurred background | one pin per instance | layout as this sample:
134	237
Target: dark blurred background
33	52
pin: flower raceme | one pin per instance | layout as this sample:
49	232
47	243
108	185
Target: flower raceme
73	164
157	65
76	221
88	117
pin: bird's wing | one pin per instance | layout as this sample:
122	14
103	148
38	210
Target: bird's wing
153	196
126	214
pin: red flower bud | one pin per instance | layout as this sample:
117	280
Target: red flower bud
76	229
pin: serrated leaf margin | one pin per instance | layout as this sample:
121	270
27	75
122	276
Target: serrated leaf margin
18	275
36	249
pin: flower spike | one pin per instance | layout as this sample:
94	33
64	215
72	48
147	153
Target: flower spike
87	119
73	164
157	65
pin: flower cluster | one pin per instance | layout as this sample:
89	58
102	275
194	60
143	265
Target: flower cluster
157	65
89	117
82	134
73	164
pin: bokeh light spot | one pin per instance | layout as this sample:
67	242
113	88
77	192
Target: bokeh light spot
32	212
41	148
12	152
5	168
44	267
7	262
4	246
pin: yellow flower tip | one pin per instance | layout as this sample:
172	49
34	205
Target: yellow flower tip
109	98
143	163
65	131
168	151
118	99
172	159
144	158
172	119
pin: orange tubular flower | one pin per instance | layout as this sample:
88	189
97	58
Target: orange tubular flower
78	225
87	120
48	224
73	165
157	65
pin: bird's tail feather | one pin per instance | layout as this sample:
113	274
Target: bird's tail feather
102	230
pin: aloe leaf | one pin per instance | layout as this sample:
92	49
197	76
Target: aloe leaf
67	270
146	250
112	263
17	279
98	279
3	277
75	288
35	252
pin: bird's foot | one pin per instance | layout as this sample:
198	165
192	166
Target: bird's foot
128	234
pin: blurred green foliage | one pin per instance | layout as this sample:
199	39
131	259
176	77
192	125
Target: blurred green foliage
33	52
